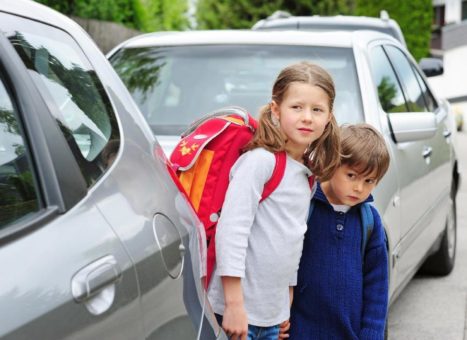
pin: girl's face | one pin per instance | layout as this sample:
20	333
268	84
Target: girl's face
303	115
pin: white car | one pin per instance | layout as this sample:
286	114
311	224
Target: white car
177	77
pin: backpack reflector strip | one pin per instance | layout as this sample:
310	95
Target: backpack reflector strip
194	185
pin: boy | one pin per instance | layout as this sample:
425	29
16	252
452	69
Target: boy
339	294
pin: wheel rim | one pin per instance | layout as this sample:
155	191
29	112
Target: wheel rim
451	231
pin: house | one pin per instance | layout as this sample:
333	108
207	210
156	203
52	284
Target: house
449	40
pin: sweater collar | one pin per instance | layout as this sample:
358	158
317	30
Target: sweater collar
320	196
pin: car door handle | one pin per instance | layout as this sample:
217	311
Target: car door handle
93	278
427	151
447	134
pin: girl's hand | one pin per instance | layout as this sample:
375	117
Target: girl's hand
235	322
284	329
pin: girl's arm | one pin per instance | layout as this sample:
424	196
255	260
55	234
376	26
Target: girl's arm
285	325
375	284
235	321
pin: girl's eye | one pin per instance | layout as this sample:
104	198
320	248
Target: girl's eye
317	109
370	181
296	107
351	176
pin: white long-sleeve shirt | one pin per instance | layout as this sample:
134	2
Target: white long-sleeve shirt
261	242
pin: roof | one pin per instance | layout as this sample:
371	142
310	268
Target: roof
338	22
233	37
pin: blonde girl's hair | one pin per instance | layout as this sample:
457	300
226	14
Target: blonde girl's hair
364	149
323	155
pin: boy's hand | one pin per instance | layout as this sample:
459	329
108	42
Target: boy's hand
284	329
235	322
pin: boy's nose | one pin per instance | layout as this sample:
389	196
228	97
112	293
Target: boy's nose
358	186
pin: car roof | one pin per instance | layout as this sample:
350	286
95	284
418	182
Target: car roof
338	22
235	37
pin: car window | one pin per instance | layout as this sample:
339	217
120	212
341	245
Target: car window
430	100
72	90
18	196
389	90
406	75
173	86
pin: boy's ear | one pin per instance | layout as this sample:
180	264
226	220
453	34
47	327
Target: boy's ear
275	110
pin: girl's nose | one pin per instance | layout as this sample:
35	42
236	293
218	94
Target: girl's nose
307	115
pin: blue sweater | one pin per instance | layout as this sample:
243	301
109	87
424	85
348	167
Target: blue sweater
338	295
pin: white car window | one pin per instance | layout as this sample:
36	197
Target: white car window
389	90
173	86
410	84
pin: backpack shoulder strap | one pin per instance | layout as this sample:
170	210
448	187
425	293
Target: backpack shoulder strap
277	174
367	225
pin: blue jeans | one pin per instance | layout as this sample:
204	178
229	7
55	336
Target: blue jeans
258	333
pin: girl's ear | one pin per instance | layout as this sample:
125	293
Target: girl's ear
275	110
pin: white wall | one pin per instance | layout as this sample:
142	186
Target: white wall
453	10
453	83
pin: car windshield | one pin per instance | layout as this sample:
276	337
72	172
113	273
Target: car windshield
173	86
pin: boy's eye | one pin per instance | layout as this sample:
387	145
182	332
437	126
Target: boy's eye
351	175
296	107
370	180
317	109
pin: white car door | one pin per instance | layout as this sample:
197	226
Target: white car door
397	96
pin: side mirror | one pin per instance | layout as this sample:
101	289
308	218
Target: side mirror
431	66
412	126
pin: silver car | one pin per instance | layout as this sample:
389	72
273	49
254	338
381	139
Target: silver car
96	240
177	77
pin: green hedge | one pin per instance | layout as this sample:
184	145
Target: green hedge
215	14
142	15
414	18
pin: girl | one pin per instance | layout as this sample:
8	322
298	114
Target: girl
258	246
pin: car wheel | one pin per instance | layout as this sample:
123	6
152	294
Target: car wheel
442	262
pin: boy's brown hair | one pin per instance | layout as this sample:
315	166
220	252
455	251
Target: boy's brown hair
323	155
364	149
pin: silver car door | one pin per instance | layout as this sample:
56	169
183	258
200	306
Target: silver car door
65	275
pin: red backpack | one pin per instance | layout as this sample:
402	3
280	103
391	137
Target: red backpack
203	159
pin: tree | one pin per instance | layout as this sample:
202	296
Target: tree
143	15
215	14
414	18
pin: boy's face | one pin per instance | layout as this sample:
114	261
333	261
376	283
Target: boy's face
348	186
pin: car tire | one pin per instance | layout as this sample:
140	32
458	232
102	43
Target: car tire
441	263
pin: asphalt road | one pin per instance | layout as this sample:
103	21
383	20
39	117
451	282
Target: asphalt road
433	307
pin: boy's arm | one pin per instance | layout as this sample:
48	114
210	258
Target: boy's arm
234	321
375	284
